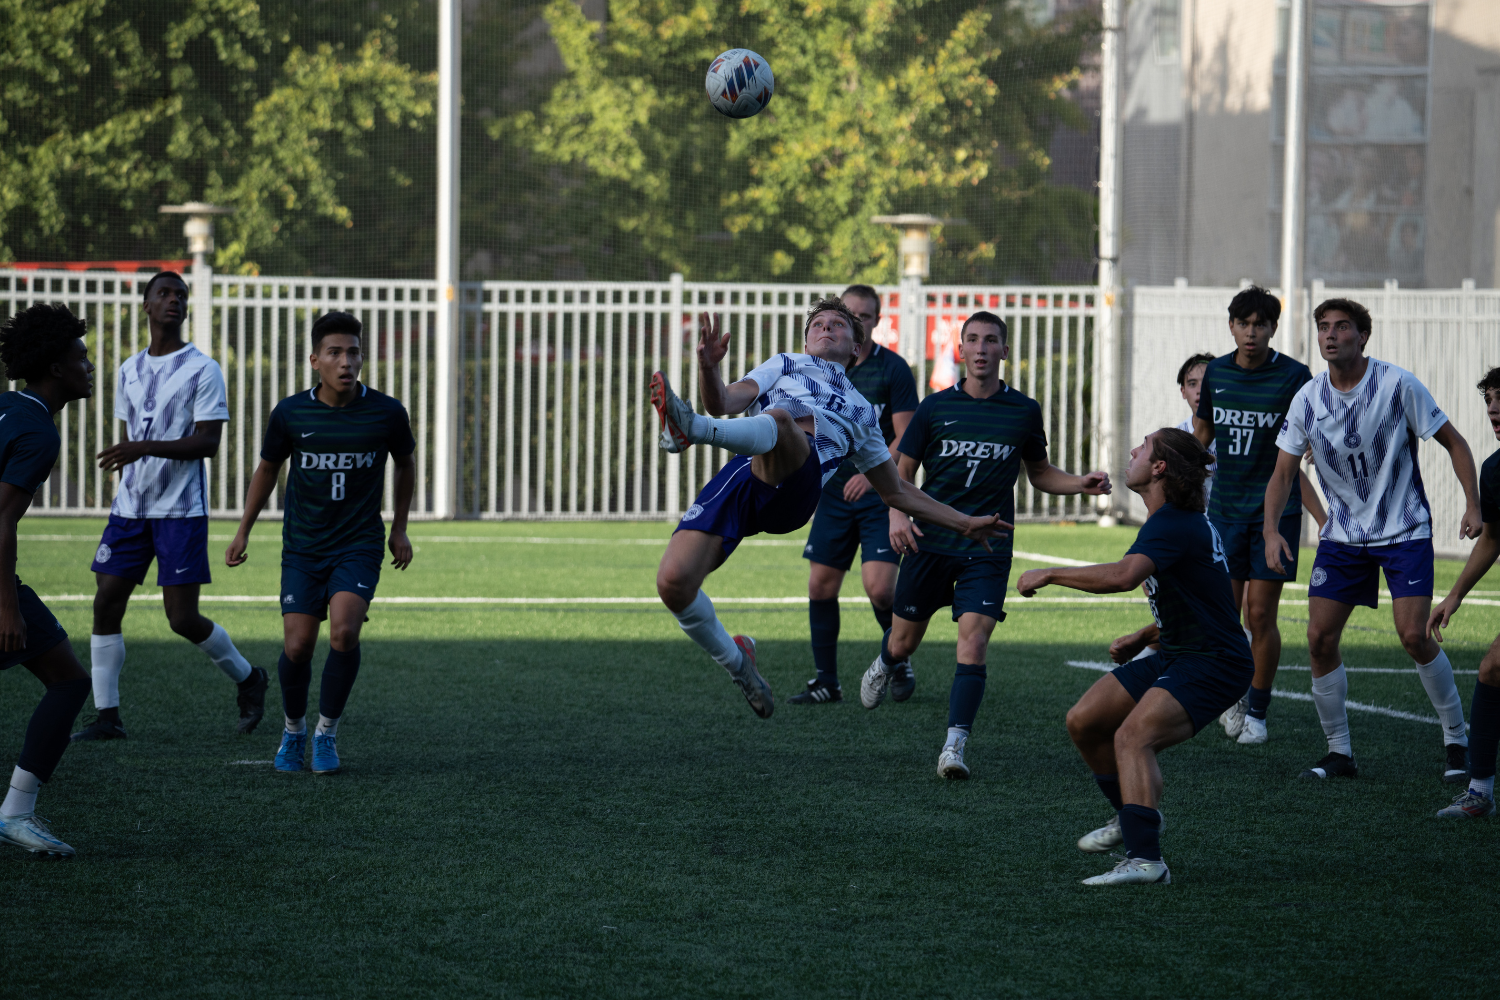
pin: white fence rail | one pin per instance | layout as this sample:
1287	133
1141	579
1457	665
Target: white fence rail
1448	338
552	418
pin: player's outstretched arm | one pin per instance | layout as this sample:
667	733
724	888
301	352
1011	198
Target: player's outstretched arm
14	502
1278	490
1472	525
1486	550
262	484
406	481
718	399
1050	479
202	443
908	499
1105	578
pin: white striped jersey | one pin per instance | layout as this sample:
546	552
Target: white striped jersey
160	399
1364	443
1213	449
845	424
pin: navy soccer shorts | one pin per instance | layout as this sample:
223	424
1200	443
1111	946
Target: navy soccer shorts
839	527
929	581
178	544
1350	574
43	630
1203	685
308	584
1245	547
735	505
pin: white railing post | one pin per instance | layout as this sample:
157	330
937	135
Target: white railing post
449	319
1108	341
1291	191
674	372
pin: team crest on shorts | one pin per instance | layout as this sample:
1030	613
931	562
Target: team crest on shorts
1352	439
289	599
693	512
103	554
1319	576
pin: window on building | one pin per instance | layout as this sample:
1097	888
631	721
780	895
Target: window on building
1167	29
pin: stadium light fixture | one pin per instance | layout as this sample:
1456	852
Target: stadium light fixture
916	240
199	230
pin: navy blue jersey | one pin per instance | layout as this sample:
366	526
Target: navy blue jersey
1246	407
29	441
885	381
337	476
972	450
1190	595
1489	488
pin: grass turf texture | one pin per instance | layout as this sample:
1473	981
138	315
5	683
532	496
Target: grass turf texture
576	801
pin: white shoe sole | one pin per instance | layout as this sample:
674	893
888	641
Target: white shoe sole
1164	877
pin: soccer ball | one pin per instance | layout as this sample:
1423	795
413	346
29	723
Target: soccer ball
739	83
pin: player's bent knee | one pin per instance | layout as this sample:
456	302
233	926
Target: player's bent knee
1489	670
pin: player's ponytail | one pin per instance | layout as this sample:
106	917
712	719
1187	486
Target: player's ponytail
1187	467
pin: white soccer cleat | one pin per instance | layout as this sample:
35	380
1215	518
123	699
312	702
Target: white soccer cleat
1134	871
1104	839
1254	733
874	684
751	684
1233	719
951	762
30	833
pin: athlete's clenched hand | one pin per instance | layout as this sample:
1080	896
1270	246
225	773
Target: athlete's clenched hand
235	554
1096	484
400	549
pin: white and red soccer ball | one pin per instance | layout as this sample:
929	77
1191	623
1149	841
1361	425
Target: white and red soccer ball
739	83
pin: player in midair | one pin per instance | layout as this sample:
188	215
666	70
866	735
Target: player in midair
805	419
338	435
1478	800
852	516
43	346
1242	400
973	439
1204	665
1363	418
171	397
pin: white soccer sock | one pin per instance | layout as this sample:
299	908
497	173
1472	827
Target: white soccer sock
1484	786
1437	678
956	737
1329	693
327	726
295	726
220	649
106	660
21	799
703	627
741	435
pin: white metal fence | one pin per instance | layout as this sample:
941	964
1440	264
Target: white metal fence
1448	338
551	417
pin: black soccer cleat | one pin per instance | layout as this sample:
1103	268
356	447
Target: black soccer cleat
1335	765
1456	770
818	693
252	699
99	729
903	681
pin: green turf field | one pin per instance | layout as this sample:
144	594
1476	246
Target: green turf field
544	800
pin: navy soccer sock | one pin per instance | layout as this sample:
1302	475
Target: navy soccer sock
885	649
1259	702
883	616
1484	730
1141	828
823	621
1109	784
965	695
295	679
51	723
339	671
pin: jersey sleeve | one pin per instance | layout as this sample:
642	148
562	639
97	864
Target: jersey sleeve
1158	541
29	460
903	387
122	412
211	401
765	374
1293	436
1423	415
277	445
1034	448
869	449
400	441
914	441
1489	490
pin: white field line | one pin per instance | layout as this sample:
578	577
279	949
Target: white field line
1356	706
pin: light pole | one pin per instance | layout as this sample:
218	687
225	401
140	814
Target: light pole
916	263
199	230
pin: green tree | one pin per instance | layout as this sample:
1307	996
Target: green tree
287	111
941	106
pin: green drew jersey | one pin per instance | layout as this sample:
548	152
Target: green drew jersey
337	476
1246	407
972	451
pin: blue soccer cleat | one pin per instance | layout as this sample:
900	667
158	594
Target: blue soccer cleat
325	753
293	751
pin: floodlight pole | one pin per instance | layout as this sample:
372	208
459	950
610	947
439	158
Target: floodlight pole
1291	187
449	319
199	230
916	264
1109	314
